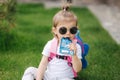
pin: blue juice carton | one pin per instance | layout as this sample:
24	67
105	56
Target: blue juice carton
64	46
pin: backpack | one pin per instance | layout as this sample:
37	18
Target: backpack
85	49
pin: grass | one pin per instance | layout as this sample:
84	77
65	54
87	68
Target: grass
33	30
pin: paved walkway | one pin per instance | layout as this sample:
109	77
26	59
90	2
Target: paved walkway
109	18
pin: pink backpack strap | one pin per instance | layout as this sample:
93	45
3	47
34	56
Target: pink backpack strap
75	73
69	59
54	45
53	49
52	55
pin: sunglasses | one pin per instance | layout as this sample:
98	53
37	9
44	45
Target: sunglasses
63	30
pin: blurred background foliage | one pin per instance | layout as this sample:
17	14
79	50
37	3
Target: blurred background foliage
7	23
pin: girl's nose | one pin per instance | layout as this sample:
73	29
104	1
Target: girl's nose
68	32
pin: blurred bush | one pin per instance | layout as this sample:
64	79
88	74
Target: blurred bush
7	23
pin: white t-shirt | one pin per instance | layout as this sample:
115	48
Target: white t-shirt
58	69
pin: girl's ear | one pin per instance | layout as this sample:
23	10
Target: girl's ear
54	30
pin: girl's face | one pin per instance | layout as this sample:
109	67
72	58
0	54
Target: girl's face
66	29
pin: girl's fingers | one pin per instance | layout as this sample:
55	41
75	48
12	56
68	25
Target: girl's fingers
72	46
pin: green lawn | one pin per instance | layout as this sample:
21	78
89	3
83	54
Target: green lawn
33	30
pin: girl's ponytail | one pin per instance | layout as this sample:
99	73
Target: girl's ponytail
66	5
66	8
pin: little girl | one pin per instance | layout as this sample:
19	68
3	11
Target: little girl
55	65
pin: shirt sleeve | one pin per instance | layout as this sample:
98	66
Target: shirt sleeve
46	50
79	51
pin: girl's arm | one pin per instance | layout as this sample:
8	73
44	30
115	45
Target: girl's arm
42	67
76	62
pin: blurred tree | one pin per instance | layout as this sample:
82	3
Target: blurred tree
7	11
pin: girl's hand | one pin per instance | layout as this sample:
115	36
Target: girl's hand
73	47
